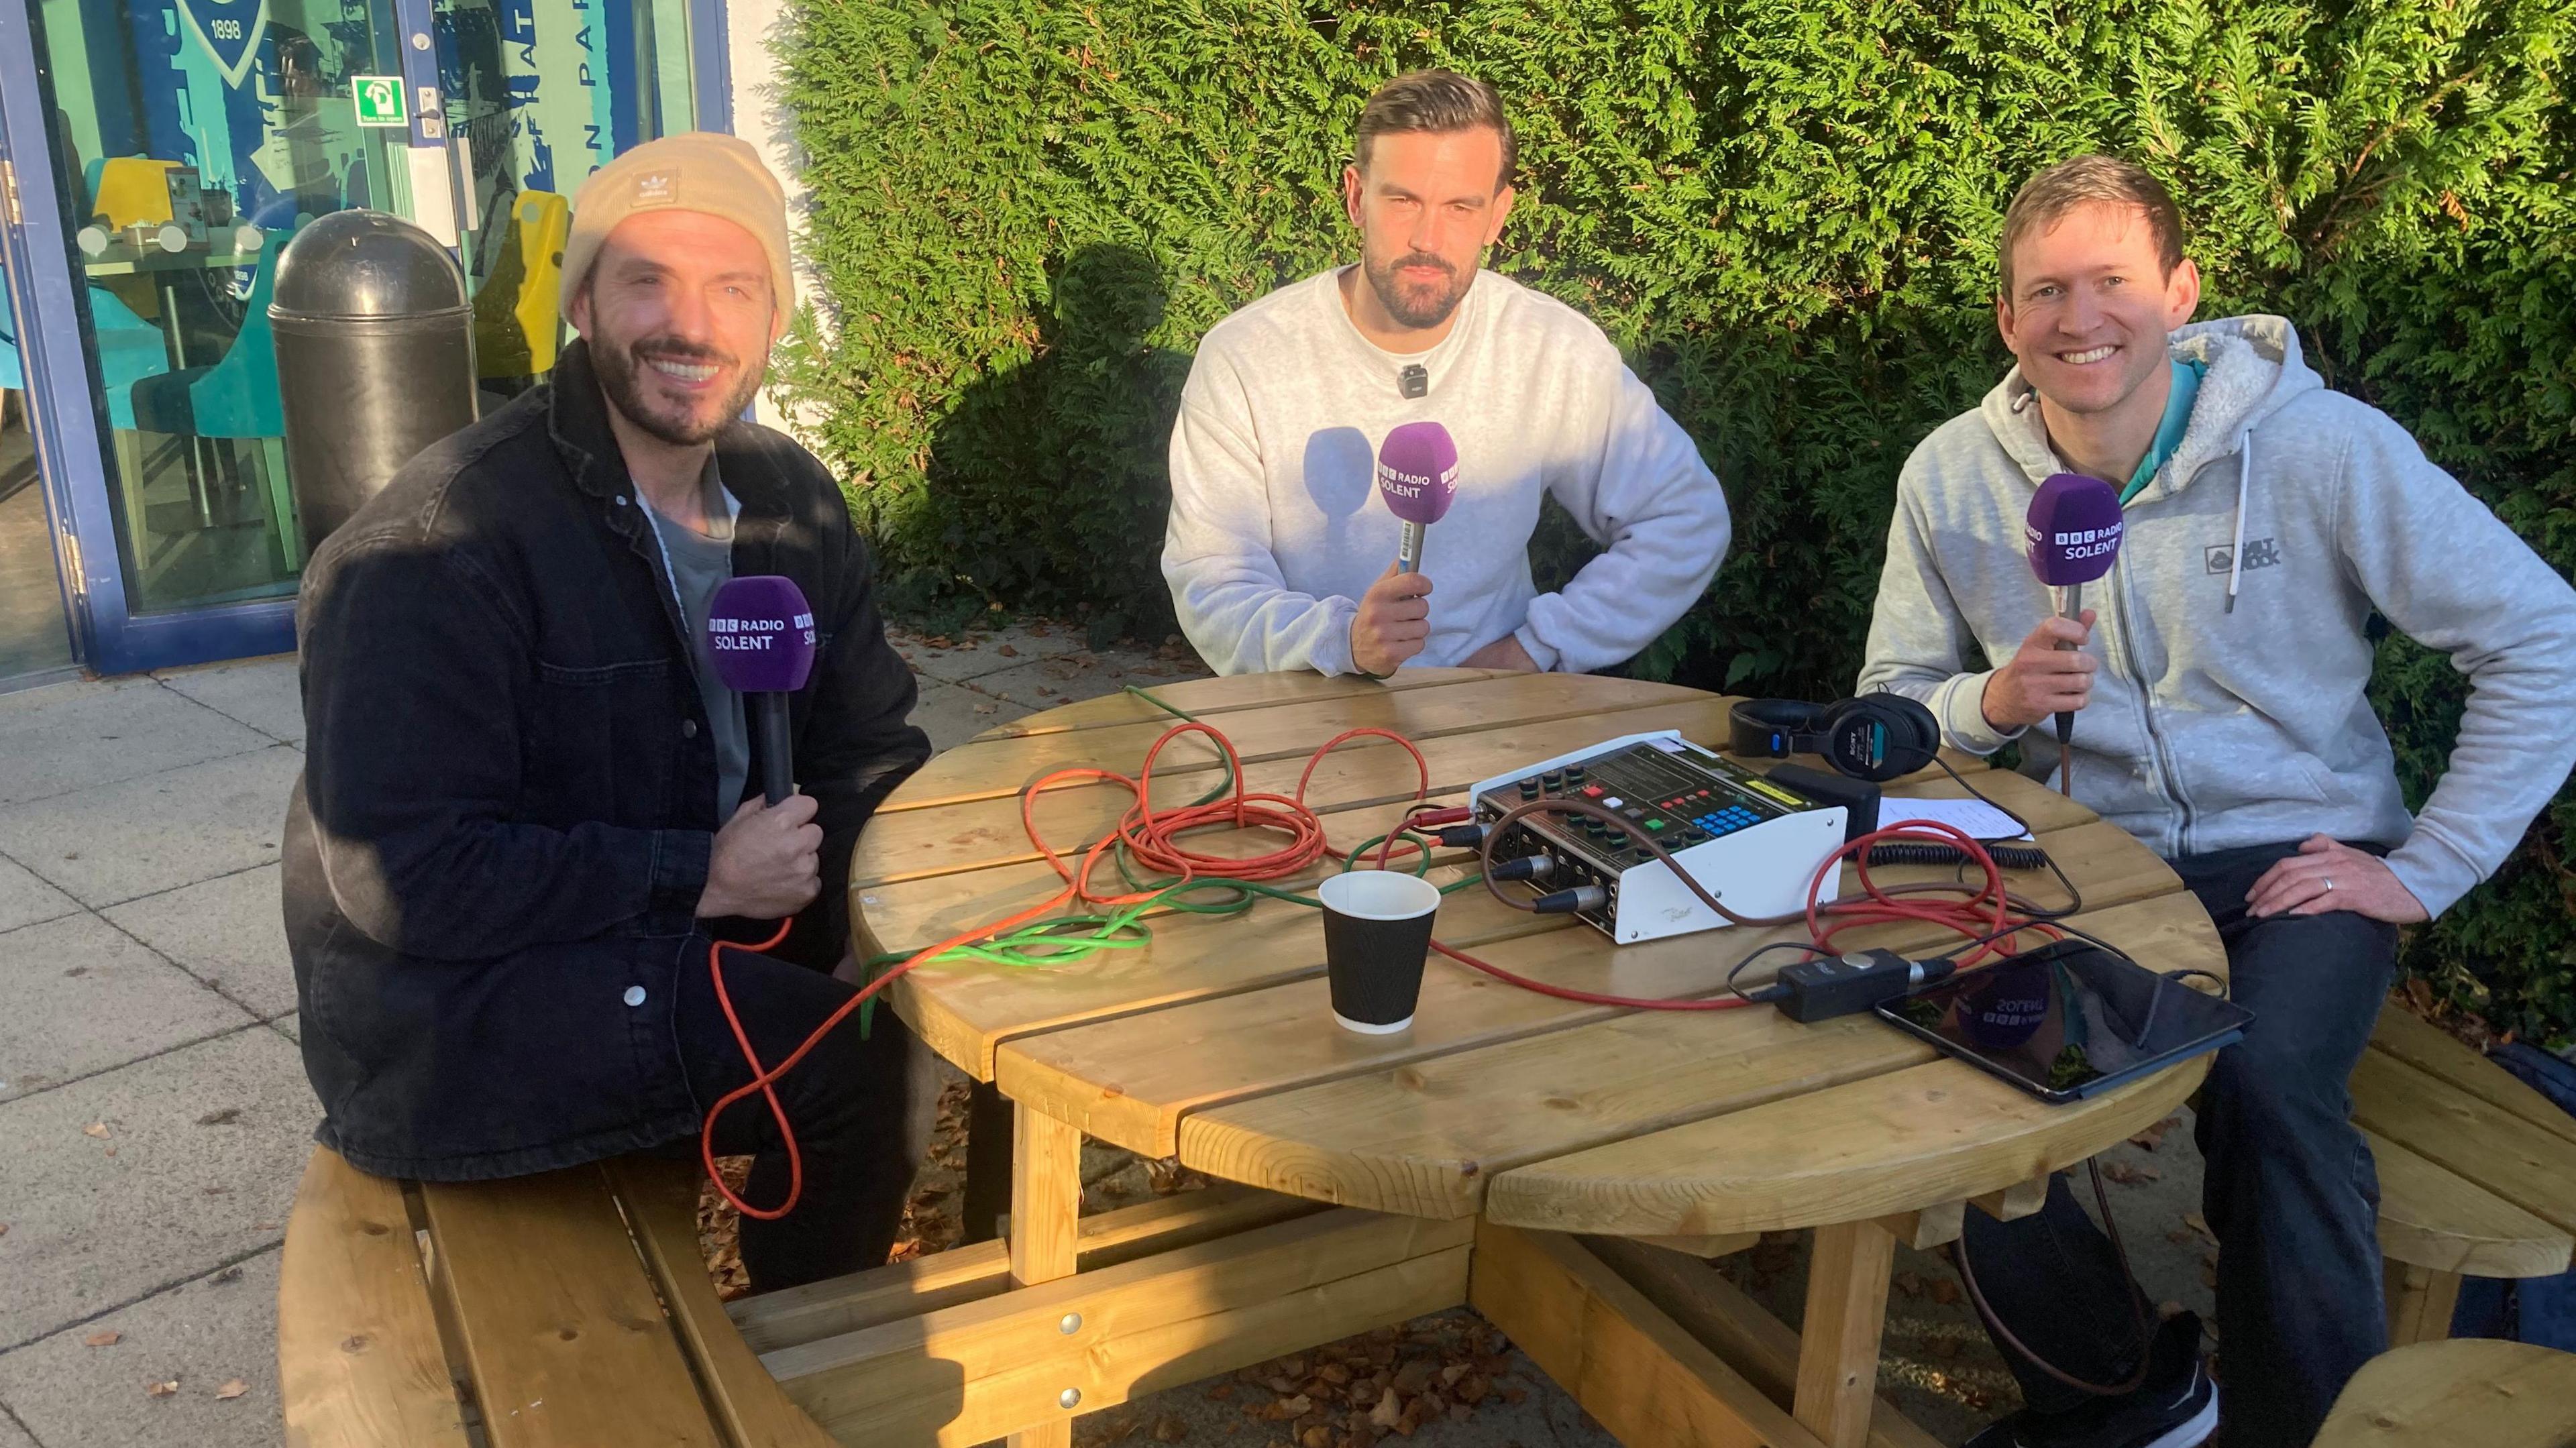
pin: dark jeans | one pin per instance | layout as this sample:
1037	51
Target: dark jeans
2290	1188
847	1102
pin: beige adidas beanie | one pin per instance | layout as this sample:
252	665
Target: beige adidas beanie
703	171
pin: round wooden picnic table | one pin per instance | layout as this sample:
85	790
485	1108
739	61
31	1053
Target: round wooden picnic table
1522	1114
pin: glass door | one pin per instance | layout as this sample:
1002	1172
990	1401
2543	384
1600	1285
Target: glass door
188	140
193	138
35	624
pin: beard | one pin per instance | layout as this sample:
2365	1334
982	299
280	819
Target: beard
621	367
1416	306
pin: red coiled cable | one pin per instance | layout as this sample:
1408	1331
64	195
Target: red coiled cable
1152	835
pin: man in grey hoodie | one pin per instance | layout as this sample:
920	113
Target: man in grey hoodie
2221	719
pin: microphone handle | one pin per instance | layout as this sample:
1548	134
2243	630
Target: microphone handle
1408	555
777	751
2066	717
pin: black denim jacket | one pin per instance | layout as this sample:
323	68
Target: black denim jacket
494	856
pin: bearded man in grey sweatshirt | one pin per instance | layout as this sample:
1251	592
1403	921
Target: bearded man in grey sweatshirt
1280	551
2221	719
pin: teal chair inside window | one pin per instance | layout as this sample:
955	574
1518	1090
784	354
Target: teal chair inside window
13	376
235	398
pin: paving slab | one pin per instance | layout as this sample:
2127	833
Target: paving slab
290	1025
78	735
120	841
10	1436
216	1330
265	694
83	997
229	932
90	1232
25	899
951	714
955	659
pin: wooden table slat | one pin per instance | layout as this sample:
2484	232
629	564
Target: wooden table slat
983	833
1128	1080
1429	1137
988	768
1872	1148
1228	694
567	1344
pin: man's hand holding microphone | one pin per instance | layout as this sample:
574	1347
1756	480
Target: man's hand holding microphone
767	861
2049	674
1417	477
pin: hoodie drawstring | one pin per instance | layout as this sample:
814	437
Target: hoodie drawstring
2236	547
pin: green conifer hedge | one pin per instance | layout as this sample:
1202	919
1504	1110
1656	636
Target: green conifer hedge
1025	212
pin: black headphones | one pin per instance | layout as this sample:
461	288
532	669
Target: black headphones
1875	737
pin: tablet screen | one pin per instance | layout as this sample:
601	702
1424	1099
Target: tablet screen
2068	1016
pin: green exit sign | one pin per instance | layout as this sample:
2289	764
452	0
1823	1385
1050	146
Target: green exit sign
380	100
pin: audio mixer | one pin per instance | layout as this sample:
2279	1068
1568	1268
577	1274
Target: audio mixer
1750	841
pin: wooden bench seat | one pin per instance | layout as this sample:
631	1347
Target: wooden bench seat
573	1310
2475	1390
565	1310
2477	1172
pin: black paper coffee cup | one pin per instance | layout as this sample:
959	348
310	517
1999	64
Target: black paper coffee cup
1377	930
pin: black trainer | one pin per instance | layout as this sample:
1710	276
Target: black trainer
2176	1407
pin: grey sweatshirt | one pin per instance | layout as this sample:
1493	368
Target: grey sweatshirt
1277	528
2229	706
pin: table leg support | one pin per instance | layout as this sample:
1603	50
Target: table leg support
1046	1225
2420	1302
1846	1315
988	1163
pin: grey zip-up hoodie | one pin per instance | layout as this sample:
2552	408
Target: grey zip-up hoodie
2229	707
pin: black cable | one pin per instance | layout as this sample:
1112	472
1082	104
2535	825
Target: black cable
1770	992
2137	1303
1645	841
2074	898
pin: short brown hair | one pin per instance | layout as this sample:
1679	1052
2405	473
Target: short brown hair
2046	198
1436	100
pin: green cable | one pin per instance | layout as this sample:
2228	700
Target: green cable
1067	939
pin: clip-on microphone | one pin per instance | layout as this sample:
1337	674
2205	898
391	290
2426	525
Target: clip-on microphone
1417	475
2073	530
761	631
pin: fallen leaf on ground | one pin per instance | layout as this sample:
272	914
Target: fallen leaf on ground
227	1276
162	1389
2129	1175
95	1128
1006	651
1387	1411
2200	1224
231	1390
2154	1136
4	1229
1944	1291
108	1338
225	1117
1168	1429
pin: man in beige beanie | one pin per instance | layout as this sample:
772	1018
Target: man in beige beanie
527	801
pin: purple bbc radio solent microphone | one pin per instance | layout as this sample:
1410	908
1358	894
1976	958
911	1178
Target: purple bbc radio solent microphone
761	631
2073	529
1417	474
